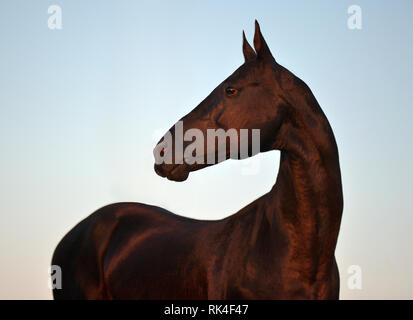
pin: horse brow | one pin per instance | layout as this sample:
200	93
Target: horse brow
252	84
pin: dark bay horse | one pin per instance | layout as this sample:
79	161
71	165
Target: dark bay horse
281	246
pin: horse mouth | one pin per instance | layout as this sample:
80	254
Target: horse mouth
178	172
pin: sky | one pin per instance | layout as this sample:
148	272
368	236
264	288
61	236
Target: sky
82	107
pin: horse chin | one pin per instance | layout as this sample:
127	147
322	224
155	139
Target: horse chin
178	174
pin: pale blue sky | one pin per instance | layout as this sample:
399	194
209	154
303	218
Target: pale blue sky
81	109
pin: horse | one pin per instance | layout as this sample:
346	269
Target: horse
280	246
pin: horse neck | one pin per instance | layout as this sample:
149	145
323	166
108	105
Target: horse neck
305	205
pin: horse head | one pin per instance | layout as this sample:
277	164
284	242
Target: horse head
256	97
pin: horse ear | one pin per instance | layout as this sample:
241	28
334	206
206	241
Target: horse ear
260	45
249	52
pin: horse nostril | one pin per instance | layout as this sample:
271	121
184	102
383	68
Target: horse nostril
160	151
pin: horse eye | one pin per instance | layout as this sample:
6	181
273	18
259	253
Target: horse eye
231	91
